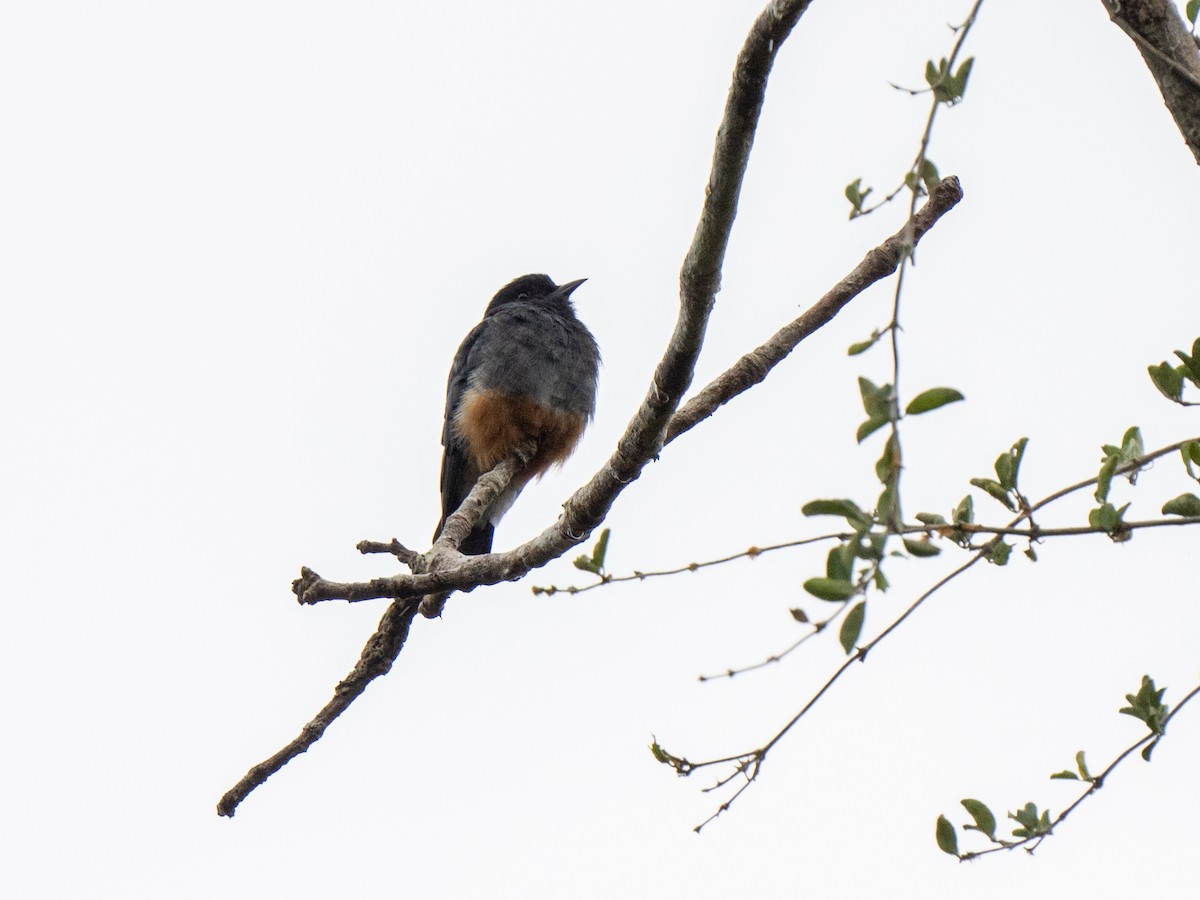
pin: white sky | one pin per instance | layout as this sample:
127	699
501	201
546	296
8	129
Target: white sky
241	242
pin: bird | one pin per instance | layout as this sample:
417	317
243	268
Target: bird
527	372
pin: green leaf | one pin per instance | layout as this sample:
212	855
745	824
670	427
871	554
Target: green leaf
1110	520
930	519
928	173
964	513
995	490
1081	764
947	840
1104	479
1065	774
1131	445
1103	517
876	399
1190	368
985	821
948	88
864	346
881	583
869	427
885	466
1168	380
601	548
832	589
921	548
584	563
1008	465
856	195
1032	824
852	626
932	73
839	565
1147	705
998	553
1183	505
1192	9
1018	455
848	509
959	86
1004	467
887	508
932	399
1192	362
1191	454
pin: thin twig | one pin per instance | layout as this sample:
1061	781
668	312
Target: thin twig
686	767
748	553
817	628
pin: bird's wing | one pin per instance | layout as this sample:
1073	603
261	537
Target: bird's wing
458	475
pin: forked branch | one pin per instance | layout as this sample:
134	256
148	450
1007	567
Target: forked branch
649	428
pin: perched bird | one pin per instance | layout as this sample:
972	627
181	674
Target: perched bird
528	371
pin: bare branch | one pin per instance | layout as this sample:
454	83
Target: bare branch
878	264
376	659
394	547
748	553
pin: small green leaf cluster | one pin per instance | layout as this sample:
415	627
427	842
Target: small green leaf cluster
1030	821
1003	487
1081	765
840	582
857	196
1170	379
923	178
879	401
1126	458
595	562
947	88
1147	705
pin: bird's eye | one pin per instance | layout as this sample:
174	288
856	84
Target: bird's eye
522	296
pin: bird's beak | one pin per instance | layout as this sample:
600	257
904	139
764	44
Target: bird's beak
566	289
